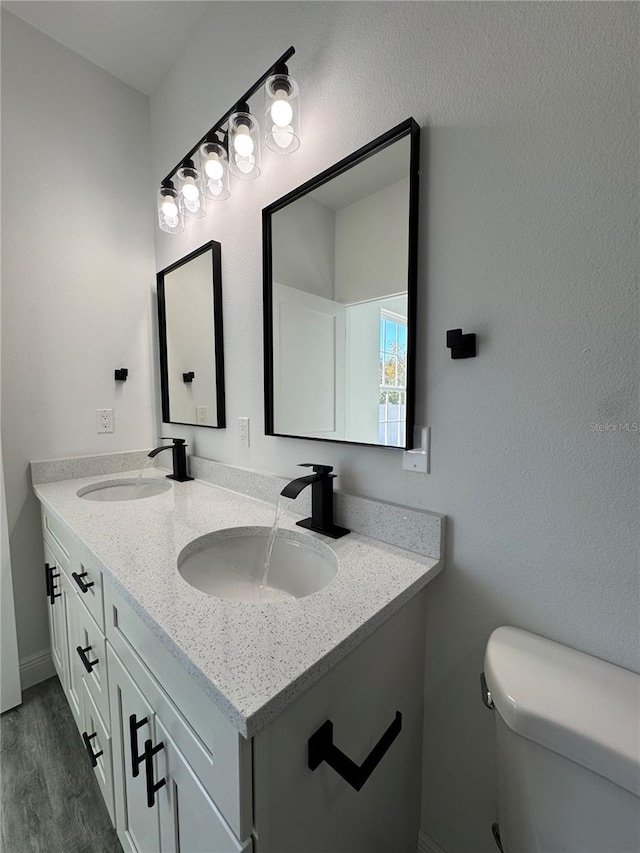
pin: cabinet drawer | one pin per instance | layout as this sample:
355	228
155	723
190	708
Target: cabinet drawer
218	754
57	536
86	578
99	741
91	650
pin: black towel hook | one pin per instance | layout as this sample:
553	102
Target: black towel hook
322	748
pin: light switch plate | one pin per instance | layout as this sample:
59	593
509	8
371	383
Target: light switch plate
419	458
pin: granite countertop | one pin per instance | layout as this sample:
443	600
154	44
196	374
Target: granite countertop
252	659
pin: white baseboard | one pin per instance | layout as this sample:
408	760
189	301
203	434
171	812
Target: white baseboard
427	845
36	668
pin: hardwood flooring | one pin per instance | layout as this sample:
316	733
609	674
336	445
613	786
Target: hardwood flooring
49	799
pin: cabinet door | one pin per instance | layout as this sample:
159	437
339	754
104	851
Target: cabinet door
57	618
137	824
189	819
98	745
73	688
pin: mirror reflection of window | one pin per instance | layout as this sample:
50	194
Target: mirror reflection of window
393	379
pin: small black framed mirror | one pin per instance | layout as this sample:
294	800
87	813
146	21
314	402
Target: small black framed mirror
191	341
340	293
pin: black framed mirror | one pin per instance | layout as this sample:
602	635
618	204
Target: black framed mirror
191	345
340	291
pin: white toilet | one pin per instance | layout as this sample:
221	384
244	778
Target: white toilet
568	740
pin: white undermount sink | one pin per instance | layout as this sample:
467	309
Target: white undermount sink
230	564
123	490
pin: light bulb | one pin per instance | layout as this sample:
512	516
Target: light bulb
170	210
190	191
243	143
214	169
281	112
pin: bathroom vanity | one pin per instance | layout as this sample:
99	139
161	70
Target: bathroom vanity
204	717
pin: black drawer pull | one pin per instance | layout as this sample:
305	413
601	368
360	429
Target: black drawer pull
93	756
78	579
50	576
88	664
152	787
322	748
136	759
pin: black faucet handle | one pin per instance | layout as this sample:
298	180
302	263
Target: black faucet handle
174	440
318	469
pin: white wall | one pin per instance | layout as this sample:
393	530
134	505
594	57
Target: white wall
77	280
372	241
529	148
303	240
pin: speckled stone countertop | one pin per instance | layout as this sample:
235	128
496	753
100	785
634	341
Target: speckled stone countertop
255	659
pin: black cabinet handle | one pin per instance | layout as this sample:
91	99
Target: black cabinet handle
93	756
88	664
322	748
136	758
50	576
152	786
78	579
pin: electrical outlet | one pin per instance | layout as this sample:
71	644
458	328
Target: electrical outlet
104	418
201	414
244	432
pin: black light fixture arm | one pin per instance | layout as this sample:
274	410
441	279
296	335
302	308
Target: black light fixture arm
221	121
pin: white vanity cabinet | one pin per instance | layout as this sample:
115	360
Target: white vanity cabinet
337	770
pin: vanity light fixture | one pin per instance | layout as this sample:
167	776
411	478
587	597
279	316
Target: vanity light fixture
214	162
244	143
232	145
190	183
282	120
170	218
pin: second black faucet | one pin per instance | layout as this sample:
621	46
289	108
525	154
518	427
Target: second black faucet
321	482
179	450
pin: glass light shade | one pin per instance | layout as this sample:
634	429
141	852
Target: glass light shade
191	191
170	218
282	114
214	165
244	145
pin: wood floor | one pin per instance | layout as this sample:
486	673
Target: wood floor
49	799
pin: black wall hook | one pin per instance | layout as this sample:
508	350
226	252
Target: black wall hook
322	748
121	374
461	346
188	377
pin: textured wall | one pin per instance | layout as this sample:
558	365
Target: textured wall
77	280
529	144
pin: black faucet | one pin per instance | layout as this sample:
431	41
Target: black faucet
321	482
179	449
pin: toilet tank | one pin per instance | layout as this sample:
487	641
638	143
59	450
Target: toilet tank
568	743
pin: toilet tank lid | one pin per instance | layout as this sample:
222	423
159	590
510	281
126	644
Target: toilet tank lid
576	705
